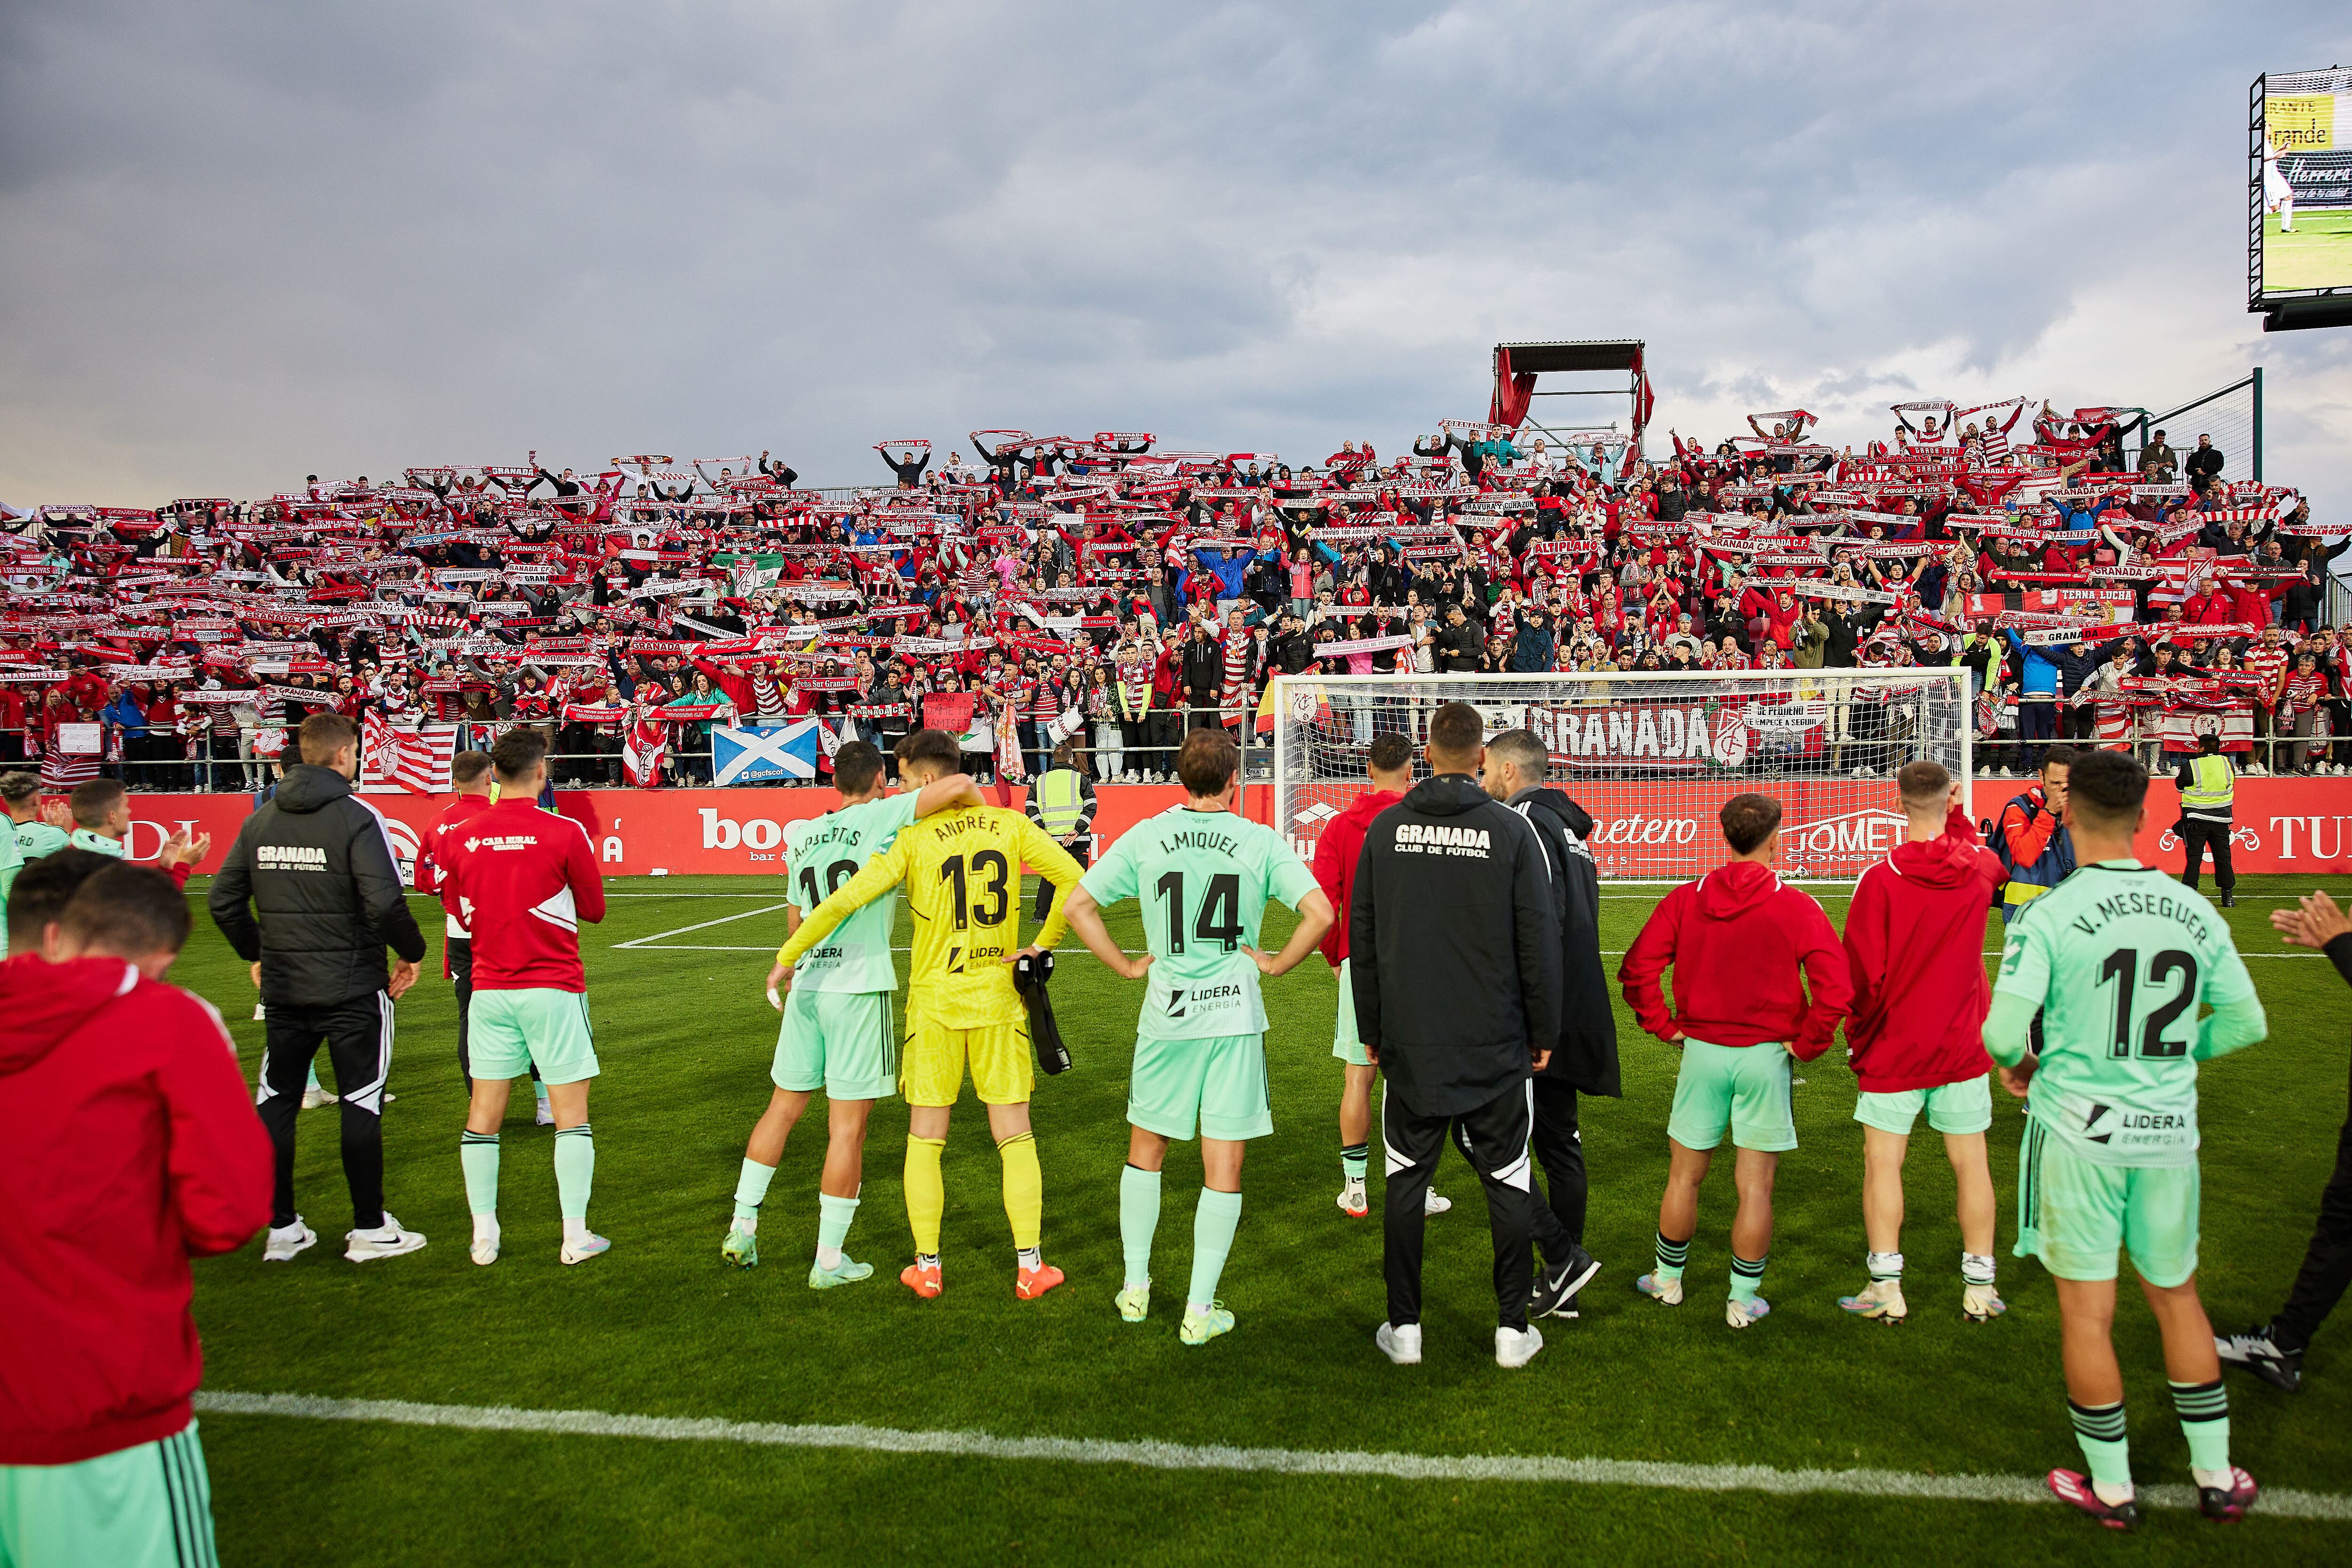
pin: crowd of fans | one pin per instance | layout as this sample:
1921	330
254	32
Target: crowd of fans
1042	588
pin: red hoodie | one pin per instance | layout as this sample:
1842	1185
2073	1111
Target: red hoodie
1336	854
131	1146
1742	944
1915	943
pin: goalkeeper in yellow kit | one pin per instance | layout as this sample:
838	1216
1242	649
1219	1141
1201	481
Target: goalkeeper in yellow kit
962	870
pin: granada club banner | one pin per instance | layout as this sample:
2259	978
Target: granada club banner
635	832
2282	825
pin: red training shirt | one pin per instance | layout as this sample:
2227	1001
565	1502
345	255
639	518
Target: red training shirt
522	880
1336	854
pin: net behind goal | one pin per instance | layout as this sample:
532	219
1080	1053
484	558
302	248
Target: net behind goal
1653	756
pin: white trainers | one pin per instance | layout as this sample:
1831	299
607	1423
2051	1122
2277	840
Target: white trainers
1980	1303
314	1097
1516	1347
587	1247
1353	1202
1740	1314
485	1250
285	1241
1432	1203
388	1240
545	1115
1881	1300
1402	1345
1665	1292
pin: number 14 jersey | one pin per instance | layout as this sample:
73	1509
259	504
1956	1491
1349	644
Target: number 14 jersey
1203	879
2118	956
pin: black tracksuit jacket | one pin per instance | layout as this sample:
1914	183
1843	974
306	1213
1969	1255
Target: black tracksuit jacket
1586	1056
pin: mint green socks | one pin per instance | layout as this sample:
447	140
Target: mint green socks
752	1190
834	1216
575	1170
477	1156
1139	1217
1213	1223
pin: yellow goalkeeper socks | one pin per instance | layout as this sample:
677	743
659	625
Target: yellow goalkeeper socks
1025	1190
927	1195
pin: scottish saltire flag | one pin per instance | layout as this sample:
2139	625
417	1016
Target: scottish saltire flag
748	755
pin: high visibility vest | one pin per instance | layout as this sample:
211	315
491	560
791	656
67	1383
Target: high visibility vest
1059	803
2215	784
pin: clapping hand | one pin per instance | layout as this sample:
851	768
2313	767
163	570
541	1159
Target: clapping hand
2315	923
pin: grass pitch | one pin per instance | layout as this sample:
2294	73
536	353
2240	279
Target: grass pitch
2317	255
661	1328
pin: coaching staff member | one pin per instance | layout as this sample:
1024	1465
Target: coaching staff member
1455	963
310	895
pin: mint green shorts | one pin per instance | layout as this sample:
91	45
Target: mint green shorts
145	1507
1344	1042
842	1042
1953	1108
509	1031
1739	1090
1216	1084
2074	1215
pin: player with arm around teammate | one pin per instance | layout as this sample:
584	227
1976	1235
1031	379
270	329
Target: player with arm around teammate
1914	945
838	1032
962	872
522	880
1205	874
2118	958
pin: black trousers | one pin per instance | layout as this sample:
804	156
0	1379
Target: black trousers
1082	850
2327	1266
357	1037
1494	1138
2195	835
1559	1150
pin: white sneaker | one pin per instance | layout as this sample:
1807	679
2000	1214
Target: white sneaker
1740	1314
388	1240
285	1241
545	1115
484	1249
1516	1347
1402	1345
314	1097
1665	1292
1880	1299
587	1247
1432	1203
1353	1202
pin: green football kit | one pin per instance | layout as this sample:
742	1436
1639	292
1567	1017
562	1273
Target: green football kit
837	1032
2118	957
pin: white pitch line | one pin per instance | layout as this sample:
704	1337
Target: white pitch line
1148	1453
721	920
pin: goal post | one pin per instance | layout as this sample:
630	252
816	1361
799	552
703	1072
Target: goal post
1653	755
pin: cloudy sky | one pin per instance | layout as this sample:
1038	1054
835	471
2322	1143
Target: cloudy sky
239	243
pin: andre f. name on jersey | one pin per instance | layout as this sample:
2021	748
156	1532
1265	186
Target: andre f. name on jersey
1422	838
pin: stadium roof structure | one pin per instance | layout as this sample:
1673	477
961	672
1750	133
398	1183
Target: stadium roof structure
1517	365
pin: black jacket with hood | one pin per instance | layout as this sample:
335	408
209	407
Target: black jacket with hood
1454	946
316	866
1586	1056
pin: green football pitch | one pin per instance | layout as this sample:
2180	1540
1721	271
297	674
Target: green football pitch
657	1406
2317	255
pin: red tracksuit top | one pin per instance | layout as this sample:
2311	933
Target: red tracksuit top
131	1147
1742	944
1914	947
1336	854
429	878
522	880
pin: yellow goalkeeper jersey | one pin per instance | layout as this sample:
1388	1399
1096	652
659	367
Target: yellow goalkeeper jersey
962	870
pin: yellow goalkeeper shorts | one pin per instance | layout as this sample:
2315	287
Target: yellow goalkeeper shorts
931	1066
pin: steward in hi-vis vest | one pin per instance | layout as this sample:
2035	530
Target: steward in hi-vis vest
2207	787
1062	802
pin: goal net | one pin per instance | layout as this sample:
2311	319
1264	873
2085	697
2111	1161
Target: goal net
1653	756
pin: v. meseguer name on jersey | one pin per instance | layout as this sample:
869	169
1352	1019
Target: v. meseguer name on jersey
2139	903
1426	838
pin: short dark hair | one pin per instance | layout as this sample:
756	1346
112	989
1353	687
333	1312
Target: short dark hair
467	766
2060	757
1205	762
19	786
933	748
1524	752
1922	782
2106	787
1455	730
1748	820
1389	751
855	767
129	911
93	801
2209	742
324	734
42	890
518	752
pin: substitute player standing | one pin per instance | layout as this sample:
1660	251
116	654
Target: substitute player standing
1204	875
2119	958
522	880
1915	945
1742	945
962	870
469	775
837	1032
1388	765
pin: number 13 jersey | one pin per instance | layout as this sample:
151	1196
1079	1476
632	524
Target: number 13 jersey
822	854
2119	956
1203	879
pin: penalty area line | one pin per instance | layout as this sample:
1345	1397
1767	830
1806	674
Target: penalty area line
1148	1453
